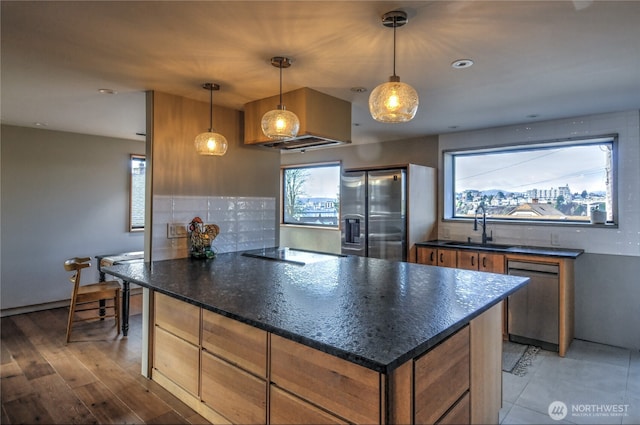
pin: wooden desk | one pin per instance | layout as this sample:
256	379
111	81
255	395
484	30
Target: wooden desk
121	258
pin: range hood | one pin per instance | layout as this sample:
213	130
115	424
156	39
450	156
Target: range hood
324	120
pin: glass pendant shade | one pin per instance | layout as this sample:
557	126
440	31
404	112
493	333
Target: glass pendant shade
211	143
393	101
280	124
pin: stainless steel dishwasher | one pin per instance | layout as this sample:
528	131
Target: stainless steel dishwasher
533	309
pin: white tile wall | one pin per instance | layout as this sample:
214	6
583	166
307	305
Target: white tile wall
245	222
623	240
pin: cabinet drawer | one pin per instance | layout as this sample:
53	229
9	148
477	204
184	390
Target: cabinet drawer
427	256
237	342
459	414
176	359
289	409
349	390
178	317
233	393
441	377
467	260
447	258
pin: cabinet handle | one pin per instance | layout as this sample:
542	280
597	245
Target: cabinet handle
484	262
441	257
431	257
473	261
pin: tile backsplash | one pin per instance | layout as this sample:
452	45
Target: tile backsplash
245	222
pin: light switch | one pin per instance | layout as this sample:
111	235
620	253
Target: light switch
176	230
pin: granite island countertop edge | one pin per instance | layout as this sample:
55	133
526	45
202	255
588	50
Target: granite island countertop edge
185	294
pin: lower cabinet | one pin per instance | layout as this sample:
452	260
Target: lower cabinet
286	408
235	373
346	389
442	377
235	394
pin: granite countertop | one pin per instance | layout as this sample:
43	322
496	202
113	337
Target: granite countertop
372	312
505	248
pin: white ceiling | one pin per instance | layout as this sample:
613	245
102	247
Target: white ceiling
552	59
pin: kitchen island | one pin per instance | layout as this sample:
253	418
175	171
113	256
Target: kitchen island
341	339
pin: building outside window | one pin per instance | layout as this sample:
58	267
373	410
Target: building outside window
559	181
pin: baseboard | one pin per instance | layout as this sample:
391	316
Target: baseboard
48	306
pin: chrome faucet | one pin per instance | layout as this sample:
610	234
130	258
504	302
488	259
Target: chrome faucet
485	238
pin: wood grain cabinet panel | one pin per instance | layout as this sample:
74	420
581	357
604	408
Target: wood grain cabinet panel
289	409
482	261
427	255
441	377
176	359
347	389
236	342
460	413
447	258
490	262
178	317
235	394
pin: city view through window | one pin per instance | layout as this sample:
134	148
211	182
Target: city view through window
311	195
555	182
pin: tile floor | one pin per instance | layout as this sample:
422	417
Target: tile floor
593	381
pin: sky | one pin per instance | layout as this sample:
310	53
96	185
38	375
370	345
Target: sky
581	167
323	182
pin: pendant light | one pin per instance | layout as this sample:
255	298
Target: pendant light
279	124
211	143
393	101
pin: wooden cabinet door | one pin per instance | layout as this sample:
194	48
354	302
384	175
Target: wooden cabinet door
467	260
235	394
289	409
178	317
236	342
349	390
428	256
447	257
442	377
176	359
489	262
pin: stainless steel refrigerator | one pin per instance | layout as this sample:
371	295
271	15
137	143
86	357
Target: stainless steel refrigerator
384	212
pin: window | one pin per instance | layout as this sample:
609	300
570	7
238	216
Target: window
311	195
136	192
560	181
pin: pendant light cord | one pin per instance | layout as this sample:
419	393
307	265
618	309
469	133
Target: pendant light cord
281	62
211	109
395	24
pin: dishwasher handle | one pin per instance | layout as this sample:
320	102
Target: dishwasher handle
533	267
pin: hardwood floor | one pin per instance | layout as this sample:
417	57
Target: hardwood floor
94	379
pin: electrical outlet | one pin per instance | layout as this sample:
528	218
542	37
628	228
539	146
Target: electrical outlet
176	230
445	233
555	239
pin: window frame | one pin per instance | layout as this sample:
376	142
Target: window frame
449	196
132	227
283	168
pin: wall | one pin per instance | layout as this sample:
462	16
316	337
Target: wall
238	191
607	300
63	195
421	151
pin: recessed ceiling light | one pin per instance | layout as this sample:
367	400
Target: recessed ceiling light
453	127
461	63
358	89
40	124
533	116
107	91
